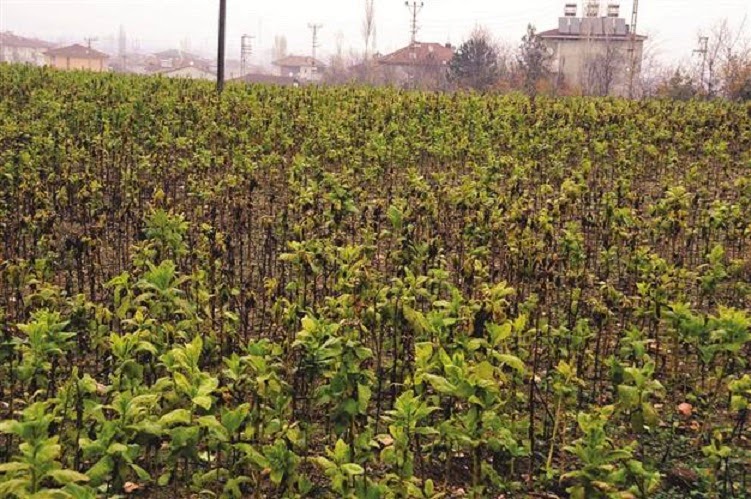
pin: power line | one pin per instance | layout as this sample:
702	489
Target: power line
122	47
314	45
415	7
703	50
246	50
632	48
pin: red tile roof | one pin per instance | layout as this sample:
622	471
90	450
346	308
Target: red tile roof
77	51
298	61
420	54
8	39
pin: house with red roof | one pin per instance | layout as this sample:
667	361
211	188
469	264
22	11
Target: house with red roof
419	65
77	57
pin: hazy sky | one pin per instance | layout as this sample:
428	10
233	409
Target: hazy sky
672	24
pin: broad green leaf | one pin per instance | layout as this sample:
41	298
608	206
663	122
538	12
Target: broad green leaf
13	467
66	476
352	469
203	401
178	416
512	361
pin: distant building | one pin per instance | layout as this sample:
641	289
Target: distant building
189	72
176	59
21	50
77	57
420	65
132	63
300	67
595	53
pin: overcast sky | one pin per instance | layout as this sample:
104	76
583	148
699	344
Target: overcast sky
672	24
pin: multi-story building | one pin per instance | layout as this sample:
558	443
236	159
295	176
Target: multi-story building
595	54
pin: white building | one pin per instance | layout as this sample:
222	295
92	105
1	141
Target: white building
190	73
595	53
21	50
300	67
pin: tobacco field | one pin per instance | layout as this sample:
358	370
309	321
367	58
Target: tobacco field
370	293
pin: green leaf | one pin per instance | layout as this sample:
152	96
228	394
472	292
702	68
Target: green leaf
66	476
203	401
628	395
13	467
352	469
117	448
210	422
512	361
141	473
12	427
14	488
208	385
276	476
178	416
75	491
363	397
164	479
440	384
417	320
182	383
324	463
738	403
101	470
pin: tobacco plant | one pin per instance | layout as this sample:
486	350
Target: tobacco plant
367	292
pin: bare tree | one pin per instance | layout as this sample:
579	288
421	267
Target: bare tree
341	63
369	27
718	62
602	69
653	71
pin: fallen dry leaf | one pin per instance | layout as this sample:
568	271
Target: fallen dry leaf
130	487
385	440
685	409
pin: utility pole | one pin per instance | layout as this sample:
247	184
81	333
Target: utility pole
632	49
246	50
414	7
220	46
315	28
122	47
703	50
89	41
